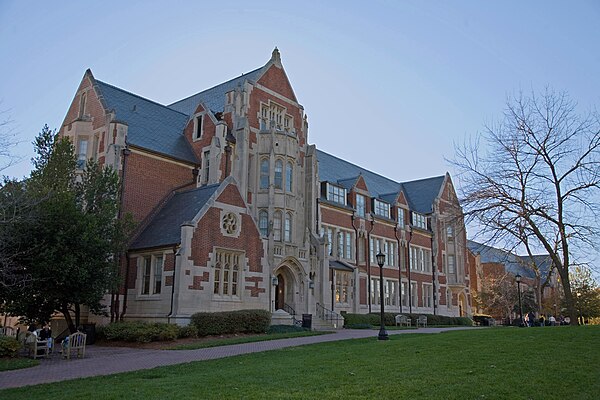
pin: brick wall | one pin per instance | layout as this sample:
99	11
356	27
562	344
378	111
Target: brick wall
148	180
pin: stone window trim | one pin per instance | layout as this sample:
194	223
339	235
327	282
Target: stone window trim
227	274
198	131
230	223
147	286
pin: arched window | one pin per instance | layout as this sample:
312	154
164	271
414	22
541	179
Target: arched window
277	226
278	174
264	173
287	228
289	172
263	223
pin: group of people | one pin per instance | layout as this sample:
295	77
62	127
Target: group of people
531	320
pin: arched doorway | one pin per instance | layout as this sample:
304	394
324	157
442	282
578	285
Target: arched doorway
280	292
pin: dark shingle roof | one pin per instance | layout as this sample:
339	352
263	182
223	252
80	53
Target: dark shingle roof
152	126
165	227
514	264
214	98
420	194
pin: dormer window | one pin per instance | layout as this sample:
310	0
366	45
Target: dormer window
361	209
419	220
381	208
198	126
401	217
336	194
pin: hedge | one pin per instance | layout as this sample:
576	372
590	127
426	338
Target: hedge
243	321
9	346
141	332
351	320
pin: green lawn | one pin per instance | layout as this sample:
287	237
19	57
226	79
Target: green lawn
6	364
497	363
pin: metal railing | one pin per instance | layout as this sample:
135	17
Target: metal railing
330	316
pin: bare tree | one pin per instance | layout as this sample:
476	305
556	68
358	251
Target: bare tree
537	182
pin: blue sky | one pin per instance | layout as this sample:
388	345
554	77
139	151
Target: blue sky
388	85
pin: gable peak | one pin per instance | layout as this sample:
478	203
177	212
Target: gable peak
276	57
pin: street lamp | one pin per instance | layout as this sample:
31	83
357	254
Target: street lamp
518	279
383	335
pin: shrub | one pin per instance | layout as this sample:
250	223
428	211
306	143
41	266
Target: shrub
188	331
141	332
9	346
285	329
243	321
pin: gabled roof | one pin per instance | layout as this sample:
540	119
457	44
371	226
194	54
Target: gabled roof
214	98
514	263
420	194
165	227
151	125
347	183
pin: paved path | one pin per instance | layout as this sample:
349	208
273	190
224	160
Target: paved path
110	360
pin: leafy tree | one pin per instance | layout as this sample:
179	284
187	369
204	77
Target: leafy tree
587	293
74	239
537	182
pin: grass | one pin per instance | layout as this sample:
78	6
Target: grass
7	364
245	339
499	363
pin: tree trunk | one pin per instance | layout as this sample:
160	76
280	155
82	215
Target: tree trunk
77	315
571	309
68	319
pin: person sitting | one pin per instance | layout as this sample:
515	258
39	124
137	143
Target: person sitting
46	334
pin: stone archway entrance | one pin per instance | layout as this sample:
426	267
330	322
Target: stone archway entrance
280	292
461	305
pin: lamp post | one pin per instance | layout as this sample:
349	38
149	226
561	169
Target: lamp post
518	279
383	335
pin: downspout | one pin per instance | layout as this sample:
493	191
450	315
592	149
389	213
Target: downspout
356	252
126	286
115	313
369	261
175	255
399	268
433	268
408	270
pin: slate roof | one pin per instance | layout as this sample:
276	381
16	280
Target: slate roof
214	98
165	227
420	194
514	264
151	125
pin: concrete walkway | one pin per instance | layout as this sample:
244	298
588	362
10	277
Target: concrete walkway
111	360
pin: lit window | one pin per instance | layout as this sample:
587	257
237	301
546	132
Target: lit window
342	287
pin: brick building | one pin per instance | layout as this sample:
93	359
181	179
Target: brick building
236	210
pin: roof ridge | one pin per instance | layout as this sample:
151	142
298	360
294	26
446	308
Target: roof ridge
215	86
424	179
358	166
140	97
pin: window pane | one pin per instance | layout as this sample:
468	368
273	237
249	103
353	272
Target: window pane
264	174
289	170
278	174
